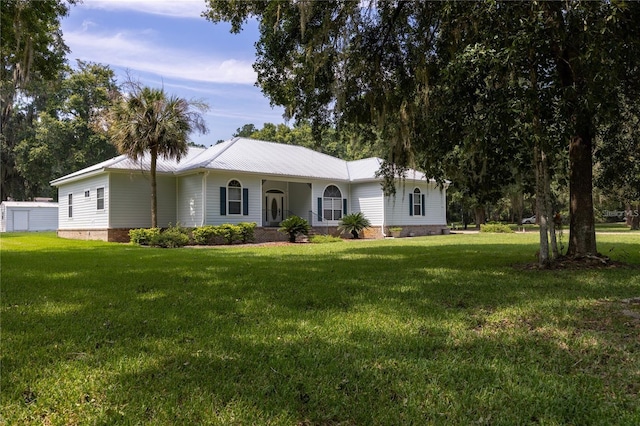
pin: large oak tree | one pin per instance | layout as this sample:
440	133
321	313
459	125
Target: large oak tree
536	76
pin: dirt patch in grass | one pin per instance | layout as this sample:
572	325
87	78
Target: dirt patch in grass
578	263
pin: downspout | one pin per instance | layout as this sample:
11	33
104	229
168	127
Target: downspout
204	197
108	206
384	217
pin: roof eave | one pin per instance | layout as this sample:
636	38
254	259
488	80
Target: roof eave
64	180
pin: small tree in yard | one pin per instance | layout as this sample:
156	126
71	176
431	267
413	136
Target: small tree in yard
293	226
354	223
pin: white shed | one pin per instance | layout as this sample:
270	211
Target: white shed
20	216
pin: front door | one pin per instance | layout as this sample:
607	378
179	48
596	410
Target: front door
274	208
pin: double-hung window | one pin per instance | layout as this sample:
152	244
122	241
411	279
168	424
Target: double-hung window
70	204
234	197
100	198
417	202
332	203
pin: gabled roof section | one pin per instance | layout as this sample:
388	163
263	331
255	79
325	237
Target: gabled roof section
122	162
366	169
269	158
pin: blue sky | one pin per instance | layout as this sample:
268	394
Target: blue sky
168	44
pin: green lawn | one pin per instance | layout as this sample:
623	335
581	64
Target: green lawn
436	330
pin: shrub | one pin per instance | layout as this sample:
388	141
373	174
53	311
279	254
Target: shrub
496	228
172	237
204	235
354	223
246	231
210	234
323	239
143	236
293	226
228	232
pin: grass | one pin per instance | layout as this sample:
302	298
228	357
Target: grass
437	330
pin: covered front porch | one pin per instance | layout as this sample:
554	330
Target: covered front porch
283	199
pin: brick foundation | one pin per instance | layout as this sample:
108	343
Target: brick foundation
112	235
418	230
262	235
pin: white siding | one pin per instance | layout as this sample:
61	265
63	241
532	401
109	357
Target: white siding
436	206
397	208
317	191
367	198
85	212
130	200
251	182
24	218
190	200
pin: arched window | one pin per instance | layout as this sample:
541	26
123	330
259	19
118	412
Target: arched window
234	197
332	203
417	202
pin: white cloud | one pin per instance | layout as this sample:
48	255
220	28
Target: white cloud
130	50
174	8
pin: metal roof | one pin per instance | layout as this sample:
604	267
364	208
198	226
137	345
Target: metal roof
122	162
269	158
252	156
29	204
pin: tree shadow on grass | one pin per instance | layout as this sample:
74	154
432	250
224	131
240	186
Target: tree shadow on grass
360	335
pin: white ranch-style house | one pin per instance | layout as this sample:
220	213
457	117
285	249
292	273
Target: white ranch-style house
245	180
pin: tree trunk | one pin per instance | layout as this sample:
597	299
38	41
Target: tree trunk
635	217
582	234
549	206
480	216
541	204
154	188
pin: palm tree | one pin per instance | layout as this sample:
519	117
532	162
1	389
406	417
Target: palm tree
149	120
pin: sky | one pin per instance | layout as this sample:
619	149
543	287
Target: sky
169	44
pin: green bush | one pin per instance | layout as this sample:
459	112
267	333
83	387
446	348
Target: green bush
204	235
172	237
247	231
323	239
354	223
293	226
499	228
143	236
229	233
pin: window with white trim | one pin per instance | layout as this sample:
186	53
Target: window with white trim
417	202
100	198
87	193
234	197
70	204
332	203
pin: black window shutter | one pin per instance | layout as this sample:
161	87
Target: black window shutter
410	204
245	201
424	207
344	206
319	209
223	201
